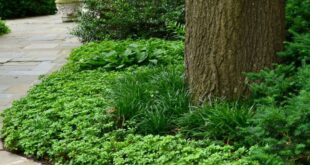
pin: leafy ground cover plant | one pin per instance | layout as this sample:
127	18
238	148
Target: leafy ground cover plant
66	107
116	55
135	149
3	28
23	8
175	150
68	119
121	19
87	117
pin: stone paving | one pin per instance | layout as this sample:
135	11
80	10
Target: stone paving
35	46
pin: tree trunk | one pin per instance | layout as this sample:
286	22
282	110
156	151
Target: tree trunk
224	39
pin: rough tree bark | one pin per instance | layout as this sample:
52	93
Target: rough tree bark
225	38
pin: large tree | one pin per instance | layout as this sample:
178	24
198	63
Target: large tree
225	38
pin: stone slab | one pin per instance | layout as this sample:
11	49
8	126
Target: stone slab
42	46
22	59
49	37
23	63
3	87
44	66
4	60
27	163
19	67
42	53
12	80
5	96
22	73
18	89
10	54
7	158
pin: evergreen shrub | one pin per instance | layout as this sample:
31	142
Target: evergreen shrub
119	19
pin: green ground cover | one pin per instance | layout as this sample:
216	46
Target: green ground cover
94	116
125	102
3	28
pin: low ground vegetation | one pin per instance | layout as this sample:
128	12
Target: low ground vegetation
117	55
95	116
3	28
125	102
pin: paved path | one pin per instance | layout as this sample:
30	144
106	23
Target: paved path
36	46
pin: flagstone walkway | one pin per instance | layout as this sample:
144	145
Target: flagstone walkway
36	46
